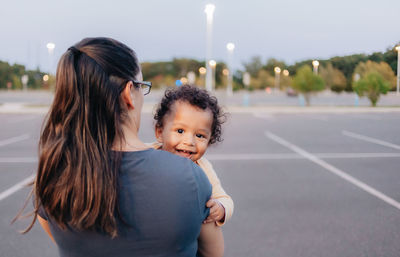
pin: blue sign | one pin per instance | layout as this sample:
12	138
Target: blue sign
178	83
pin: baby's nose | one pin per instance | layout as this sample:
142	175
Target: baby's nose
189	140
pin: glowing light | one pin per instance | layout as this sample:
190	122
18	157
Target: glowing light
209	10
285	73
212	63
225	72
184	80
315	63
46	78
277	70
51	46
202	70
230	46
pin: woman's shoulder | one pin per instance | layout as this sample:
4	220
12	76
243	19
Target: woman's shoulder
153	160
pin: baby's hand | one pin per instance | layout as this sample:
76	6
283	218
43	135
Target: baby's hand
217	211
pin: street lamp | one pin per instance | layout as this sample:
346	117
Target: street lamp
202	72
24	80
209	10
277	71
315	65
398	69
212	65
285	73
230	47
50	49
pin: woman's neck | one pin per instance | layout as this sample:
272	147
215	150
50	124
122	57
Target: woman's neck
130	142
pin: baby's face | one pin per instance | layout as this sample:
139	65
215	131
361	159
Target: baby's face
186	130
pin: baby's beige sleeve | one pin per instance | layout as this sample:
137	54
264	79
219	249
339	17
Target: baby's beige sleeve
155	145
217	191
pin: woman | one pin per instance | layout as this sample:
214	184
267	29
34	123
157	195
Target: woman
99	190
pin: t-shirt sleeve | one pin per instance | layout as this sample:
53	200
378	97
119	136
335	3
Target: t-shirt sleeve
203	190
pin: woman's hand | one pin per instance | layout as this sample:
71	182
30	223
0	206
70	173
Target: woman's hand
217	211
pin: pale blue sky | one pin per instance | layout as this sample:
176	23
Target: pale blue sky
291	30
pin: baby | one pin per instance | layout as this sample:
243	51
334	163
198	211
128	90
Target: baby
188	120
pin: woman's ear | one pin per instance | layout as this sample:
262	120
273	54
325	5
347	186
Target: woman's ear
127	96
158	132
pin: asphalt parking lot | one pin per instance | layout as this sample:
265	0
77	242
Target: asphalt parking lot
304	184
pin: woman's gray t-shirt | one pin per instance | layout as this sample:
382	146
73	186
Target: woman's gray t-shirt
162	200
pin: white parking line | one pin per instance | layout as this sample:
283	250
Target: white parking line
18	159
21	119
370	139
289	156
16	187
14	139
334	170
255	156
265	116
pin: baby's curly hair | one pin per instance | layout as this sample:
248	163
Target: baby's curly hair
197	97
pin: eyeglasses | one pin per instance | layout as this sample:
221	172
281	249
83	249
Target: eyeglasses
145	86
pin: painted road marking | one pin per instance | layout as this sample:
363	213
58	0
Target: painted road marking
265	116
16	187
21	119
334	170
370	139
18	159
14	140
249	157
289	156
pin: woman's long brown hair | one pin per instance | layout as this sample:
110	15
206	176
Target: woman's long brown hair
77	176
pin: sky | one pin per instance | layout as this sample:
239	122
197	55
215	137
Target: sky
289	30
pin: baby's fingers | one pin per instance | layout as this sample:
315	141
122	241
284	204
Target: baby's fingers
214	210
211	203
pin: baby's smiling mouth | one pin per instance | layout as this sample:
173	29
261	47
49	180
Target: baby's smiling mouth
184	153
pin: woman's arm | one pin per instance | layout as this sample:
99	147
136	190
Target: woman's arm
211	241
46	227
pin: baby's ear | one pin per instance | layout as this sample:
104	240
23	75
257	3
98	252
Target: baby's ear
158	132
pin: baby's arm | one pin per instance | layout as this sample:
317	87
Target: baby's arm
211	241
219	196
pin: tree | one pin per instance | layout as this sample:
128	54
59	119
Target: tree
272	63
306	82
372	85
12	74
254	66
382	68
334	78
263	80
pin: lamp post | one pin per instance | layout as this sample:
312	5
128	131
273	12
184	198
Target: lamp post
356	97
277	71
246	82
24	80
230	47
285	74
202	72
398	69
209	10
212	65
315	65
50	49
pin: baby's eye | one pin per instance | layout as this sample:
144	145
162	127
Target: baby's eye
180	131
200	136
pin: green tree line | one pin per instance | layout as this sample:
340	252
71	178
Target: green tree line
337	72
10	77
